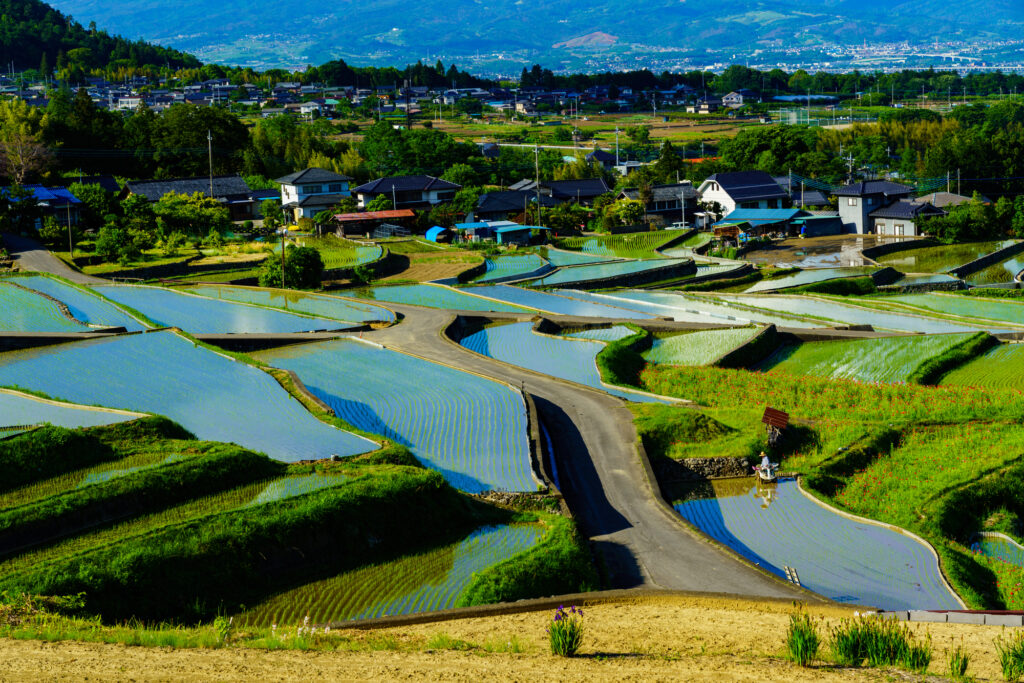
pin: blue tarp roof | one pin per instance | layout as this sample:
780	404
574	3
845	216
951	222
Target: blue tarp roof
761	216
42	194
471	226
434	232
515	228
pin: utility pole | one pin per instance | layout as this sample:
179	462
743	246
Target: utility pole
958	181
209	154
71	245
536	162
284	231
616	145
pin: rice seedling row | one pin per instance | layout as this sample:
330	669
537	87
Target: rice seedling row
970	307
633	245
1004	271
311	304
507	266
697	348
22	409
843	313
777	526
888	359
211	395
571	359
600	271
418	583
552	303
85	306
200	315
706	309
26	311
940	258
604	334
558	257
436	296
470	429
806	277
1001	367
289	487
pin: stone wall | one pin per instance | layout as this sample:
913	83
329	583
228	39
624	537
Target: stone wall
988	260
892	247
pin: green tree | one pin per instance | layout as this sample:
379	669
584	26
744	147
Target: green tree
627	211
22	152
460	174
194	214
379	203
97	203
303	269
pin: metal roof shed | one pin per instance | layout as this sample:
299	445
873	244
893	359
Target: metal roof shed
436	233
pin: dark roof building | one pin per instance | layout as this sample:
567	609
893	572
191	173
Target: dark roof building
498	205
107	182
800	193
312	175
742	190
859	200
582	191
943	199
870	187
224	186
902	218
410	191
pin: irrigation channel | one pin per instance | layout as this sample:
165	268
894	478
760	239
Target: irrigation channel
471	426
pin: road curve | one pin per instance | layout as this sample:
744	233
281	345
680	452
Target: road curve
601	476
30	255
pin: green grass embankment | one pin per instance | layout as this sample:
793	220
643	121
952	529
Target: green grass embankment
559	564
931	370
620	362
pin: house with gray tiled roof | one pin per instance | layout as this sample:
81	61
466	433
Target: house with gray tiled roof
668	201
902	218
858	200
230	190
742	190
408	191
306	193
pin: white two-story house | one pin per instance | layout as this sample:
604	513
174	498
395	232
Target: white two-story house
306	193
742	190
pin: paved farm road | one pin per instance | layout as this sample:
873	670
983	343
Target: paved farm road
31	255
643	544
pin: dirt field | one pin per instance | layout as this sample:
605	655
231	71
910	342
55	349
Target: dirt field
673	638
434	266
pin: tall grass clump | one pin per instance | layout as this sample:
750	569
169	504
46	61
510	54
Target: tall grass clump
1011	656
959	660
802	640
880	642
566	631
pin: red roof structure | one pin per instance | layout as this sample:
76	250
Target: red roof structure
374	215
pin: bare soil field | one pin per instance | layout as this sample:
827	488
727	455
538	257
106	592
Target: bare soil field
434	266
652	638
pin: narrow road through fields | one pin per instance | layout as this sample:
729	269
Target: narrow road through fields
601	475
31	255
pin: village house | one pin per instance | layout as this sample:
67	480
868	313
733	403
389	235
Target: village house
742	190
306	193
229	190
675	202
858	200
408	192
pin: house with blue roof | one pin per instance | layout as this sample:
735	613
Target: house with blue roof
56	202
764	221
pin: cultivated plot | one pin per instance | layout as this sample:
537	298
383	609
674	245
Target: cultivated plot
1001	367
1004	271
201	315
436	296
807	277
571	359
889	359
212	396
17	408
697	348
301	302
971	307
470	429
419	583
552	303
559	257
601	271
707	309
85	306
604	334
509	266
939	258
777	526
28	311
843	313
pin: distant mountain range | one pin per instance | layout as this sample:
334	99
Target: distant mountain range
296	32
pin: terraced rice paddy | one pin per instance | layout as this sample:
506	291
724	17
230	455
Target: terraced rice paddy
212	396
777	526
418	583
552	303
510	266
705	309
560	257
21	409
338	253
470	429
26	311
1004	271
973	307
843	313
697	348
601	271
686	247
289	487
200	315
635	245
311	304
911	280
604	334
571	359
437	296
939	258
85	306
999	548
888	359
999	368
807	277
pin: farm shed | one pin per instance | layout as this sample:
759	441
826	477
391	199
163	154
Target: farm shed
818	226
360	223
516	234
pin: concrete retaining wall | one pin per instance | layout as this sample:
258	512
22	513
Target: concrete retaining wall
951	286
644	277
759	347
892	247
988	260
885	276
